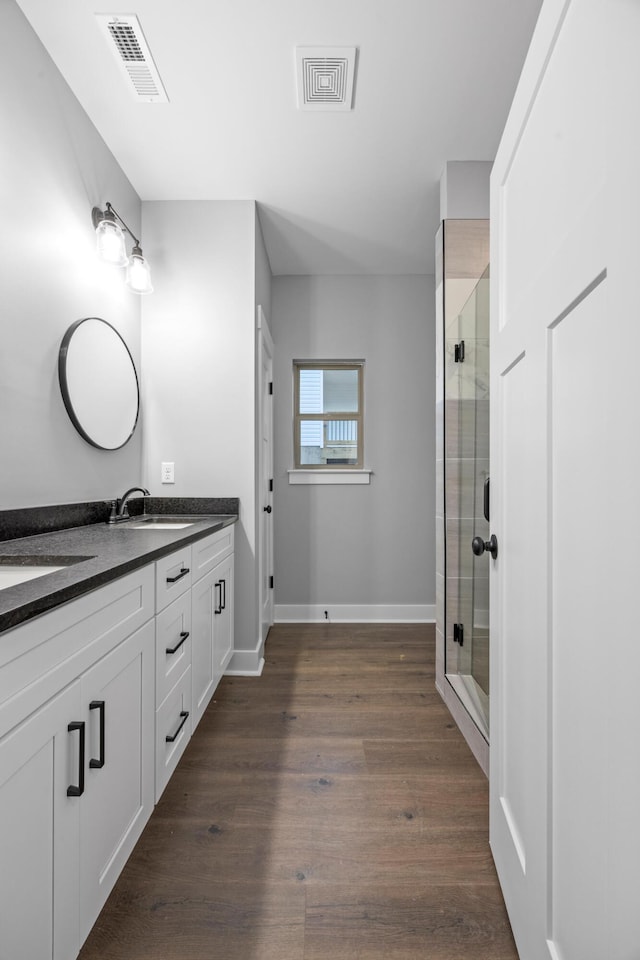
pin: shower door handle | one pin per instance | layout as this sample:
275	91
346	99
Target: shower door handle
478	545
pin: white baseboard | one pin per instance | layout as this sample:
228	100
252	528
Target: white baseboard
354	613
246	663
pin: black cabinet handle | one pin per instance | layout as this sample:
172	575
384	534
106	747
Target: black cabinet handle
183	637
268	509
183	572
170	737
218	586
223	605
77	791
98	705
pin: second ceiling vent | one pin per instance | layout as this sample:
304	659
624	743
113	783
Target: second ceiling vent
325	77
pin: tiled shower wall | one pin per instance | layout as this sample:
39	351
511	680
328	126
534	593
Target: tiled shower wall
462	256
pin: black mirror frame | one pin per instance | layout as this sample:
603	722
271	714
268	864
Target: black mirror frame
64	384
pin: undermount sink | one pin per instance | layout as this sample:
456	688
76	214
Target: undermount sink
160	523
20	569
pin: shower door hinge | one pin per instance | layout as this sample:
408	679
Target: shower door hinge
271	582
271	388
458	352
458	633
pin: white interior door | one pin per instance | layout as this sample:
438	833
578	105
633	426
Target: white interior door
265	502
565	775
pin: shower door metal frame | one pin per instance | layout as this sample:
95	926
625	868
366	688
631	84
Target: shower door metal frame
462	256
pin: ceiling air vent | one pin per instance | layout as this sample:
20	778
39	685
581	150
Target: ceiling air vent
325	77
129	47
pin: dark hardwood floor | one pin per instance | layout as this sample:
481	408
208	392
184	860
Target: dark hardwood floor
329	810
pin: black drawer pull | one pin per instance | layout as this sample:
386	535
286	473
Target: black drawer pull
183	637
170	737
183	572
77	791
98	705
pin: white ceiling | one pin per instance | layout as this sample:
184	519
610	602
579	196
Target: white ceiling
339	192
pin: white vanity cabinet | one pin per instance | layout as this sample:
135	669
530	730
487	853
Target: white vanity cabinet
98	700
68	825
211	616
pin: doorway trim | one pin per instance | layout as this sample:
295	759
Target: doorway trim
265	478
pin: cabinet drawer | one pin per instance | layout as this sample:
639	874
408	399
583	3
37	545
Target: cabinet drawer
210	550
173	648
171	722
173	577
42	656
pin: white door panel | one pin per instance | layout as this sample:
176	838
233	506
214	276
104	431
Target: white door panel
580	411
565	779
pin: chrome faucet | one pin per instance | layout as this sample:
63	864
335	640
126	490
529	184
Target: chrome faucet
119	508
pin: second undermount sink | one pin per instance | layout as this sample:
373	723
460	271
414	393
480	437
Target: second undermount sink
160	523
20	569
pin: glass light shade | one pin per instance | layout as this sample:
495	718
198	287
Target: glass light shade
138	276
110	242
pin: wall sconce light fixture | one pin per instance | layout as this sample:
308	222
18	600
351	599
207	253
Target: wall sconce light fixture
110	235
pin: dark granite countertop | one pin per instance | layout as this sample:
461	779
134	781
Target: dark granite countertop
91	555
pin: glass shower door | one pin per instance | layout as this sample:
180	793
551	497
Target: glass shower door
466	475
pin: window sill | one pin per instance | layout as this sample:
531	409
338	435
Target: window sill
329	476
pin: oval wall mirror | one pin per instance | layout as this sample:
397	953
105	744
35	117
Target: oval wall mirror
99	383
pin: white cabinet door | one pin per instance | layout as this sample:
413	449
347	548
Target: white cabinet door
223	614
204	602
565	781
212	632
118	696
39	761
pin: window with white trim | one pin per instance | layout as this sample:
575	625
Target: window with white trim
328	414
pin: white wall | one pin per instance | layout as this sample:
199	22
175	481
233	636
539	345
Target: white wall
370	544
199	366
55	168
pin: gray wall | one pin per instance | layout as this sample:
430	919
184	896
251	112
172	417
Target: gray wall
55	168
369	544
199	336
464	190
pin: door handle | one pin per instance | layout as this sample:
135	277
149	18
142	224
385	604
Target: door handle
183	637
223	601
99	763
478	545
268	509
73	790
486	500
171	737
